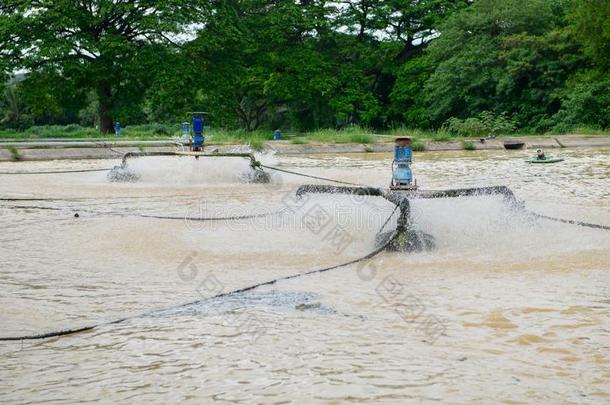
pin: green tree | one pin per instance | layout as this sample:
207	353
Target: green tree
408	104
536	69
592	25
412	27
502	56
234	53
317	63
52	97
8	50
586	100
258	59
14	112
394	34
105	45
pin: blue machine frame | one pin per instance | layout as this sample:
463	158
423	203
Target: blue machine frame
197	141
402	175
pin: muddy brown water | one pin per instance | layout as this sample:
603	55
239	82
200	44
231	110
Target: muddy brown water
506	309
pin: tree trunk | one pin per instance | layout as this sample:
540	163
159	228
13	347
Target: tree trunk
104	93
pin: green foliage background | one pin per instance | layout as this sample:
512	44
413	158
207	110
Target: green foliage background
467	67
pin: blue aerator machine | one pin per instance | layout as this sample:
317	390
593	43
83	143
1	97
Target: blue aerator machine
402	175
403	189
198	126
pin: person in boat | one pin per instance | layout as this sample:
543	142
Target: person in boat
540	155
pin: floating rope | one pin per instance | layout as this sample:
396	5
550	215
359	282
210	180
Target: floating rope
308	175
120	214
232	218
58	171
31	207
388	220
32	199
103	200
569	221
237	217
240	217
66	332
108	169
252	216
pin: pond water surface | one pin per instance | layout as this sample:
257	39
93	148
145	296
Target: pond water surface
507	308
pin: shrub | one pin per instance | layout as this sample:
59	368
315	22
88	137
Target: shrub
468	146
60	131
441	135
73	128
360	138
467	127
418	146
161	130
352	133
497	124
257	144
487	123
15	155
19	123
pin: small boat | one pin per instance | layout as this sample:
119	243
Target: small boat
548	159
513	145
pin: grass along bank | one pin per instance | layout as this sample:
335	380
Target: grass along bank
256	139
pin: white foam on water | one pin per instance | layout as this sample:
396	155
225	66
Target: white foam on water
188	170
485	228
481	228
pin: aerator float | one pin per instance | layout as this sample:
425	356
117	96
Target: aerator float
122	173
403	189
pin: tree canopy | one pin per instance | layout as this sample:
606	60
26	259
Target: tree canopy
304	64
112	47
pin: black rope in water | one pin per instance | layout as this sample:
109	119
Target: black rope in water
58	171
32	199
233	218
252	216
108	169
388	220
120	214
308	175
49	335
66	332
568	221
31	207
102	200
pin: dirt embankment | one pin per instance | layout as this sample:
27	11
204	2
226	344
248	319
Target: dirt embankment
10	151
